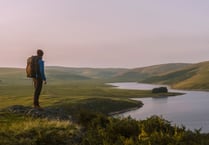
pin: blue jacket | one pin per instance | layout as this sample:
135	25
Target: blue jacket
41	67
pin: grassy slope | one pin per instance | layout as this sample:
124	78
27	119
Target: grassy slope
96	73
190	77
140	74
173	77
75	94
180	76
62	73
199	79
161	69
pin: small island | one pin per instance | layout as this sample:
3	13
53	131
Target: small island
160	90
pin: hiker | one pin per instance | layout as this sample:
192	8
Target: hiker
36	72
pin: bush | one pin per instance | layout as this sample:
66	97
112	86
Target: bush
91	119
126	127
99	129
127	131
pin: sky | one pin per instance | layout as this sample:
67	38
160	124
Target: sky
104	33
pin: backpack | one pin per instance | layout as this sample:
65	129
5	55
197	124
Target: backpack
32	67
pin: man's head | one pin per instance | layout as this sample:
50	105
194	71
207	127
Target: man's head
40	52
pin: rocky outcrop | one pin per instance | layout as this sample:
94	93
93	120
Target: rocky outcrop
48	112
160	90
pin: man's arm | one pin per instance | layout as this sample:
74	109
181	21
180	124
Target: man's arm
41	65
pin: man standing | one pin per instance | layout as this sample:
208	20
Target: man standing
39	78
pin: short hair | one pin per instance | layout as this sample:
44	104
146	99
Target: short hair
40	52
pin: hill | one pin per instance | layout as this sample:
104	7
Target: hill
12	76
140	74
18	76
178	75
59	74
94	73
196	77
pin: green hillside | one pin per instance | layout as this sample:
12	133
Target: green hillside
140	74
178	75
193	76
199	79
172	77
96	73
59	74
12	76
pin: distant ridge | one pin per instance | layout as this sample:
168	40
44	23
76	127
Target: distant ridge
140	74
94	73
177	75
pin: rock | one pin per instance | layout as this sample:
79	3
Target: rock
160	90
19	109
49	112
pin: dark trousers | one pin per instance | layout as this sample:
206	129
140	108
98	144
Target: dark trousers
38	86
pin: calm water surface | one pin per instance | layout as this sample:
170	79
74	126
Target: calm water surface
190	110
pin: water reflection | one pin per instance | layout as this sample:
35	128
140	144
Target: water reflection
160	100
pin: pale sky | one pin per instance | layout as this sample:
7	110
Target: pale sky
104	33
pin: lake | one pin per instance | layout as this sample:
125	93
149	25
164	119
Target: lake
190	109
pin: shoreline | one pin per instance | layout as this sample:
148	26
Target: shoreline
127	110
141	104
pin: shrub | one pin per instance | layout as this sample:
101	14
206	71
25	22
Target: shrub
39	132
126	127
99	129
127	131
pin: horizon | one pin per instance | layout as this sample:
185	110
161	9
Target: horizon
104	34
47	66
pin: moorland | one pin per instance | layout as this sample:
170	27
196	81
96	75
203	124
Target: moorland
85	95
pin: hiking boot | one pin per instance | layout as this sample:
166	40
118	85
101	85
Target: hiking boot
38	107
